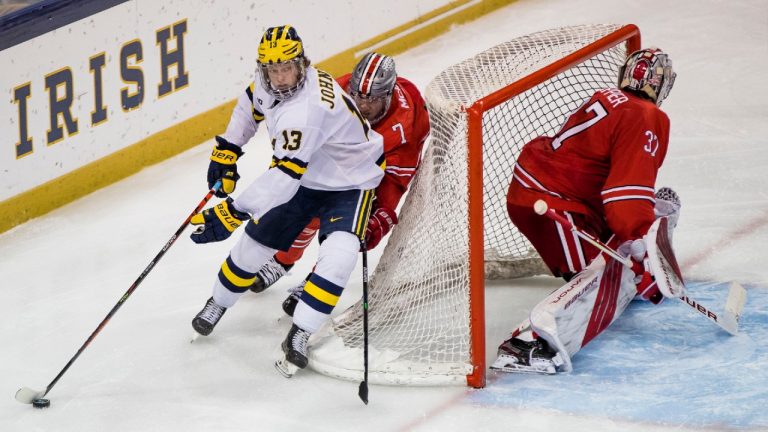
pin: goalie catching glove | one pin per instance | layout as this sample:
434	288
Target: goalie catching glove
379	224
223	167
217	223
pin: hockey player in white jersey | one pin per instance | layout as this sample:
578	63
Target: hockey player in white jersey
326	163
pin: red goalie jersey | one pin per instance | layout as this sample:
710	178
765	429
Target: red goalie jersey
602	164
404	128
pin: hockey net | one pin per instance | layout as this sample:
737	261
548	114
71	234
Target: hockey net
426	296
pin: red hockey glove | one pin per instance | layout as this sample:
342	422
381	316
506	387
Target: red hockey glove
379	224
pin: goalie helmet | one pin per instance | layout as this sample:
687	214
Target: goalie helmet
648	71
372	83
278	47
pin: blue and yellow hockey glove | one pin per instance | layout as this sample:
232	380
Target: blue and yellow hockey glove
217	223
223	166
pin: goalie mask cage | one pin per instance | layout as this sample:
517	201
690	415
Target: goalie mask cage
426	297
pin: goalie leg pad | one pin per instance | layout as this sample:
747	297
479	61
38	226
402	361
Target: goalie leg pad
572	316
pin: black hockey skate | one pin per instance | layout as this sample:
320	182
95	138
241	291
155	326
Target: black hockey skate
295	349
206	319
519	356
290	302
268	274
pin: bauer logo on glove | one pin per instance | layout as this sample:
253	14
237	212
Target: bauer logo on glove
223	166
217	223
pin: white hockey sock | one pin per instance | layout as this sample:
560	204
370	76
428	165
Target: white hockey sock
248	255
336	261
224	297
308	319
337	257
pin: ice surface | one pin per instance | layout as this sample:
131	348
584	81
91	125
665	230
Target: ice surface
658	368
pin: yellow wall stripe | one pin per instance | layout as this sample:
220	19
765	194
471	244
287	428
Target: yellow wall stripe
117	166
203	127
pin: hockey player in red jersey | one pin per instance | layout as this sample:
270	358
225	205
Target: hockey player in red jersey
599	172
395	109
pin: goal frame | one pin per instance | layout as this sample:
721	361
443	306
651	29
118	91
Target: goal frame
629	34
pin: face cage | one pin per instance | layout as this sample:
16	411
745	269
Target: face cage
387	100
667	79
283	94
666	86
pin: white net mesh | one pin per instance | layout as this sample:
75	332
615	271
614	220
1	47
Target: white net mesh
419	311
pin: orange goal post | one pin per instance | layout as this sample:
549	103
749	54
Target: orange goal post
427	293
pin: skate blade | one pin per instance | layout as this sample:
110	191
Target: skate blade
286	368
515	368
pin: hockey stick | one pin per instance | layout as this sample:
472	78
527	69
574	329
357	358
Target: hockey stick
736	294
27	395
363	390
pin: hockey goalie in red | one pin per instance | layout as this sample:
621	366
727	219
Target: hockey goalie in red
599	172
395	108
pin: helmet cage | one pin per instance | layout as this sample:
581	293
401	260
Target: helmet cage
648	71
283	94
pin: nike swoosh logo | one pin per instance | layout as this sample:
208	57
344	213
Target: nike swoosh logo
334	219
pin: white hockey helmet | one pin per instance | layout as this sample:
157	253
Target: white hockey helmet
648	71
373	78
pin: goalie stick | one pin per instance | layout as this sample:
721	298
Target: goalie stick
27	395
729	321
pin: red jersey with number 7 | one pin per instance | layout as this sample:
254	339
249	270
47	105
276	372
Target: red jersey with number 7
603	163
405	128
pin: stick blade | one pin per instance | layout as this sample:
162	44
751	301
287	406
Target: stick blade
26	395
734	305
363	392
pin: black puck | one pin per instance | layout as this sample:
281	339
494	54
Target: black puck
41	403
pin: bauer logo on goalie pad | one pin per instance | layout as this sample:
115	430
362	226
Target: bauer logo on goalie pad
574	283
578	295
